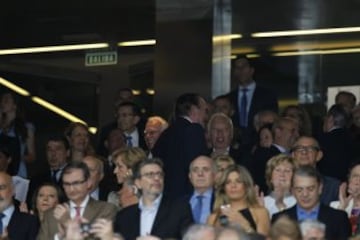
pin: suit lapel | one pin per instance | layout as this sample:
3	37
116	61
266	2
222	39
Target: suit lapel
160	215
90	210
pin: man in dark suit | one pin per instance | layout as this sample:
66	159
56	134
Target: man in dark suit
128	118
76	183
306	187
285	132
336	144
14	224
248	99
202	177
183	141
57	154
155	214
306	151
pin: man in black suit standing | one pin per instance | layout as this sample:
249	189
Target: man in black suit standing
181	142
307	187
155	214
14	224
336	144
248	99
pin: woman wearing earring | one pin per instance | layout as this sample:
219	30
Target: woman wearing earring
124	159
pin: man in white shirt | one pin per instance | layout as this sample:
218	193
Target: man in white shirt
155	214
76	183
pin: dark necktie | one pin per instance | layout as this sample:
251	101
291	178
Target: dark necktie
198	208
129	141
243	108
53	175
1	222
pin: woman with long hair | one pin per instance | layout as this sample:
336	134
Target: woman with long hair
236	203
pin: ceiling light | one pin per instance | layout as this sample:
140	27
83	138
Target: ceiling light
14	87
306	32
311	45
136	92
93	130
53	48
252	55
150	91
317	52
57	110
137	43
226	37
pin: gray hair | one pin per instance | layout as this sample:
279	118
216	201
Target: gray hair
308	224
196	232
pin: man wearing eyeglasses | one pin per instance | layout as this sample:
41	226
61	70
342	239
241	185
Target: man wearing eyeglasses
306	151
76	184
155	214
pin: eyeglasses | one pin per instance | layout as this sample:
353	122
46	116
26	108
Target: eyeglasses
152	175
73	184
306	149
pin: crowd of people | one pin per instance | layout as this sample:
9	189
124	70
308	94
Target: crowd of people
230	168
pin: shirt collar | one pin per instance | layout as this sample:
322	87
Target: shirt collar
312	212
154	206
207	193
83	203
249	87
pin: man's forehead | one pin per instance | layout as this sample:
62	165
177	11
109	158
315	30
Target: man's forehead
151	166
304	180
306	142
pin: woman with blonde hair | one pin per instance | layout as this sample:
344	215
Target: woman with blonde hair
222	162
124	159
236	203
278	174
78	136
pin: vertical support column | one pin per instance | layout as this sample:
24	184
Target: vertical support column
221	70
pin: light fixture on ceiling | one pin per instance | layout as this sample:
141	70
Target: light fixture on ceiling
14	87
60	111
44	103
219	38
136	43
317	52
59	48
311	45
150	91
289	33
136	92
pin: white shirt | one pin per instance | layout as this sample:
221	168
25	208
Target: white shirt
147	216
348	209
82	207
95	194
8	212
134	137
269	202
249	94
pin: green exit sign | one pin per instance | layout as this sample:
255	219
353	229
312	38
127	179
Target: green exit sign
100	58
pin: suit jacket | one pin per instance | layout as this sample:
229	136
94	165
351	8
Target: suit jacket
23	226
94	209
337	147
171	220
257	166
187	198
336	221
263	99
177	146
330	190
